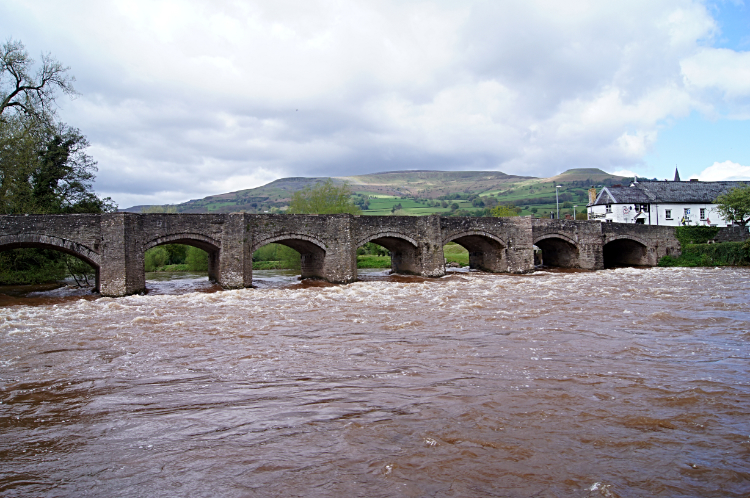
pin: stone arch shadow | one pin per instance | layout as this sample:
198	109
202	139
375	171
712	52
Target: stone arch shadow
41	241
559	251
404	250
486	250
312	252
626	251
211	246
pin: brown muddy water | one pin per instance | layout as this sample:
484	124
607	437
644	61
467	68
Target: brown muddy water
616	383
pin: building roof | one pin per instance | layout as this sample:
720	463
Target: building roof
666	192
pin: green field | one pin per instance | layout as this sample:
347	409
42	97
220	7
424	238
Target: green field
418	191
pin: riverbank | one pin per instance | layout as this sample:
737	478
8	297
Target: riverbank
721	254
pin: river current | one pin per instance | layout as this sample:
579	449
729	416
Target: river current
615	383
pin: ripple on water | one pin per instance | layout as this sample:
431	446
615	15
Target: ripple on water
627	382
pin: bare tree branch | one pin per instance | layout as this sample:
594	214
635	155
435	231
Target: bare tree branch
33	95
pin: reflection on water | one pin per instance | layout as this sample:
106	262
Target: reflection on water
622	382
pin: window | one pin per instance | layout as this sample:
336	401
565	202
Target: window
668	213
609	208
703	213
687	211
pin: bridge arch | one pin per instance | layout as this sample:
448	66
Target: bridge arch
190	239
486	250
403	248
558	250
312	251
211	246
41	241
625	250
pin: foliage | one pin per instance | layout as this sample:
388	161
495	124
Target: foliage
723	254
323	198
156	258
286	257
695	234
504	211
176	257
196	259
26	266
373	249
45	170
734	206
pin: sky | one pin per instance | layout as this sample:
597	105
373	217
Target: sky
184	99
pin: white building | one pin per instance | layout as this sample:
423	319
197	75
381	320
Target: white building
662	203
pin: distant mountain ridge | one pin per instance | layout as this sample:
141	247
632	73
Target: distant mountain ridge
419	184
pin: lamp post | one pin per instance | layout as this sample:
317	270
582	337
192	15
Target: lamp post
557	200
574	212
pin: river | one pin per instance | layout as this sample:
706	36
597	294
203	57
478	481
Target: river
615	383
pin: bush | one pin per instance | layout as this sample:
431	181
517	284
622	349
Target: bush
155	258
31	266
196	259
724	254
695	234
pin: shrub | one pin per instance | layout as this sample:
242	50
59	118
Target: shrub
724	254
695	234
196	259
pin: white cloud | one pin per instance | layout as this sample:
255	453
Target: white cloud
186	99
624	172
719	68
724	171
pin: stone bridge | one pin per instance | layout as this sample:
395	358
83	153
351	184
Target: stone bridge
115	244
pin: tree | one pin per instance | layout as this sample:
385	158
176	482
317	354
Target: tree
504	211
734	206
323	198
45	170
31	94
43	164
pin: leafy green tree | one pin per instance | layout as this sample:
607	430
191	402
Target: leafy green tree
734	206
323	198
504	211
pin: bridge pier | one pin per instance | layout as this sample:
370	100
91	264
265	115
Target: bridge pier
121	271
235	261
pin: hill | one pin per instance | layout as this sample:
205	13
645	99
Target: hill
419	192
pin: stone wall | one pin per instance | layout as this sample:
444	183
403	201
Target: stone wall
732	234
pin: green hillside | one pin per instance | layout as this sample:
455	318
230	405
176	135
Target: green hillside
464	193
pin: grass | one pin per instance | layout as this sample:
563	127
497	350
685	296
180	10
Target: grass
455	253
371	261
181	267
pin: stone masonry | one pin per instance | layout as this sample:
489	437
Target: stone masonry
115	244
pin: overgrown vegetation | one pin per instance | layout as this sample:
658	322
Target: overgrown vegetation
695	234
723	254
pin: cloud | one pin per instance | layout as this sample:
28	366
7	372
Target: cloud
724	171
719	68
624	172
183	100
